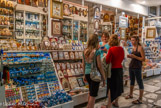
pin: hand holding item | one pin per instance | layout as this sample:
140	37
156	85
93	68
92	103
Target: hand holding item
131	56
84	79
128	56
104	83
104	54
103	48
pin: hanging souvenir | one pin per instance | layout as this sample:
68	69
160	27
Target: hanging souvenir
71	10
66	11
27	2
56	9
41	3
73	82
60	74
106	18
80	12
76	10
56	27
97	25
80	82
112	18
65	72
69	72
97	13
35	3
45	43
65	84
85	13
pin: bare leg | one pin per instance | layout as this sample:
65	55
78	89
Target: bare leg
131	90
91	102
141	95
88	100
109	100
115	102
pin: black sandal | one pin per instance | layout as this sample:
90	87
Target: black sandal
129	97
137	102
115	105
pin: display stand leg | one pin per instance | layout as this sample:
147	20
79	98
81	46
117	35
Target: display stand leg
2	96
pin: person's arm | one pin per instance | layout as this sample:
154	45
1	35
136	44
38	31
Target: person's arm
142	58
83	63
108	57
99	65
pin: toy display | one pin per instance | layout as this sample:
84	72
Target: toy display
58	97
28	93
42	91
29	68
13	95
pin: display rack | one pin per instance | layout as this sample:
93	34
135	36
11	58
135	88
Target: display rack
32	77
69	68
83	31
6	20
107	27
30	26
74	29
67	28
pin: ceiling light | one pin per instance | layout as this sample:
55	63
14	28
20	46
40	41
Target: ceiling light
143	2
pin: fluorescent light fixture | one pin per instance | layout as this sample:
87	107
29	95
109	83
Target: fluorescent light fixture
143	2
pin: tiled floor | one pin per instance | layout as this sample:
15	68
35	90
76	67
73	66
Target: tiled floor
151	99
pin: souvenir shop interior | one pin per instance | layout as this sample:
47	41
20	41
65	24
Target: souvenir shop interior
42	42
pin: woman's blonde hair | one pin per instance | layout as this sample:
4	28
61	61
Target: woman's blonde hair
92	44
113	41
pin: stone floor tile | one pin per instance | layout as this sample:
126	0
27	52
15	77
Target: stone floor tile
140	106
158	103
158	92
151	83
149	88
156	81
151	96
150	101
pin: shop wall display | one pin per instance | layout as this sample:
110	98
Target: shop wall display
97	24
45	43
107	21
107	28
6	19
123	22
97	13
30	27
80	82
34	3
56	9
151	33
83	31
106	17
56	28
67	28
73	9
27	66
122	33
66	10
